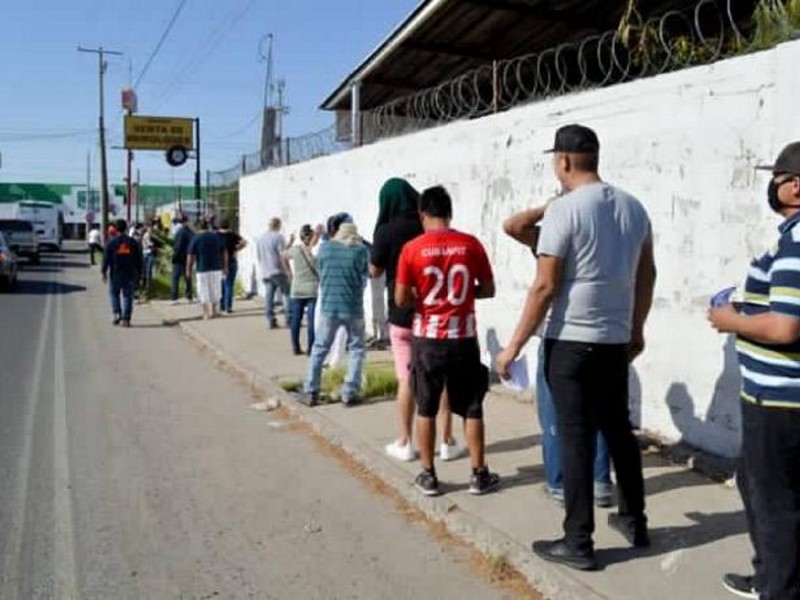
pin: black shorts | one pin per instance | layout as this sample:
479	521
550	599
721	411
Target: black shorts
452	364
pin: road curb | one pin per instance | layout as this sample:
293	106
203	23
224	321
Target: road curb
553	581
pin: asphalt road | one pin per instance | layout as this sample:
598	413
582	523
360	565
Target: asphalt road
131	467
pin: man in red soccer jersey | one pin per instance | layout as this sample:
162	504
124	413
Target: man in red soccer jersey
442	272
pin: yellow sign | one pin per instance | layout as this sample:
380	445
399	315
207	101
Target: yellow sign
158	133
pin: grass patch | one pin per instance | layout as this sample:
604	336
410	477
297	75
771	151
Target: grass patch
162	287
293	386
378	381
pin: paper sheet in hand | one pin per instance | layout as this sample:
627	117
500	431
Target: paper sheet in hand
519	381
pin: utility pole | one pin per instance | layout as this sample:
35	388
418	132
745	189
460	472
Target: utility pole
197	191
89	206
103	167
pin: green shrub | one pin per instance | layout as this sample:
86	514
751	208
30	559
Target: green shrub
378	381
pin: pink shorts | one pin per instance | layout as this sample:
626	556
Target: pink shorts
401	349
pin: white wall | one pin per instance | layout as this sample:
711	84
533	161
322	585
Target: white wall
685	143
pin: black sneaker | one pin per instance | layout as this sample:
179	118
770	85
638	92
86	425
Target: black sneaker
559	552
308	398
427	483
632	529
483	481
117	320
126	322
740	585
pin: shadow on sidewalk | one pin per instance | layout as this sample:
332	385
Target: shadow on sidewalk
175	321
525	476
707	529
665	482
512	445
135	325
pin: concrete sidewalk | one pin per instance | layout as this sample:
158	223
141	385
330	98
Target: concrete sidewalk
697	525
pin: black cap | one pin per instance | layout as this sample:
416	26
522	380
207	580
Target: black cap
788	161
576	139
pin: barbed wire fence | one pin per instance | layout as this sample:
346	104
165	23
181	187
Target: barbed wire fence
639	48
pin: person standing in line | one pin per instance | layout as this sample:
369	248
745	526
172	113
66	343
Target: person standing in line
399	223
767	330
337	349
207	252
180	251
273	269
95	242
233	244
441	273
305	286
596	269
524	227
344	270
122	268
150	248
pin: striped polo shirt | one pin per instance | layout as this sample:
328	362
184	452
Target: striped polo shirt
771	373
344	271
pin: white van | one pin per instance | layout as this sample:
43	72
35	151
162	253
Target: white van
47	219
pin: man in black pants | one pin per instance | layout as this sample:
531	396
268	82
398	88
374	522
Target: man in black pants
767	329
596	268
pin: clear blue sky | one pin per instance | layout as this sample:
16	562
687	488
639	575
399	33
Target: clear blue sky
208	67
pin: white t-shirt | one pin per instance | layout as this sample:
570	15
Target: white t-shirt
94	237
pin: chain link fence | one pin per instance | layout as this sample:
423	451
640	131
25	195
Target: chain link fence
284	152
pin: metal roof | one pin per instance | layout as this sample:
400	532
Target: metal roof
442	39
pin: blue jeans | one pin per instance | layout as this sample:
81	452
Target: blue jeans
123	290
272	284
178	272
355	349
149	269
551	447
297	307
227	285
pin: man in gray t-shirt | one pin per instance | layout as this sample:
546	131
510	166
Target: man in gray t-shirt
272	269
598	231
596	270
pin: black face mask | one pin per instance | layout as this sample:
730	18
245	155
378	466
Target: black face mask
772	196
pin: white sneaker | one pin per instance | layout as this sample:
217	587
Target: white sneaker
404	453
174	303
451	451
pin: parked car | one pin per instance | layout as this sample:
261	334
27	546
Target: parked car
21	238
8	266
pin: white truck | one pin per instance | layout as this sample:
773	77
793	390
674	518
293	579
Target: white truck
47	220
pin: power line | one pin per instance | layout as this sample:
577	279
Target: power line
205	50
33	137
160	43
